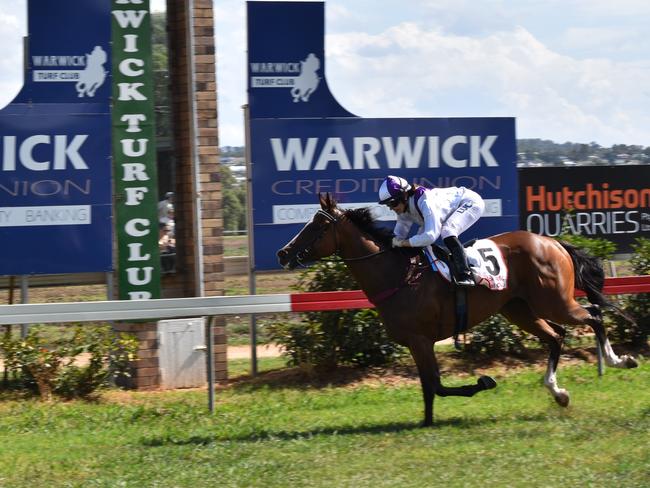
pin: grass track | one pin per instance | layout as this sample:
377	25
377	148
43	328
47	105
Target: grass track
354	436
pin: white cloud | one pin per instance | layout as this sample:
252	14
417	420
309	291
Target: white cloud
568	70
409	71
230	30
606	8
158	5
13	27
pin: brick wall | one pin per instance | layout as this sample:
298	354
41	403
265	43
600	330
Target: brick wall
145	374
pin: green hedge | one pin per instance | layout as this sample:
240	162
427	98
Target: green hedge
49	368
636	306
329	339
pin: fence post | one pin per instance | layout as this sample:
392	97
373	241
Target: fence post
209	337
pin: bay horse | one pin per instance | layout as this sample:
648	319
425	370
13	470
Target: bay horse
543	275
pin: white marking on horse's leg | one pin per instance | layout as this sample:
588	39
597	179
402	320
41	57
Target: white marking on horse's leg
550	381
611	358
560	395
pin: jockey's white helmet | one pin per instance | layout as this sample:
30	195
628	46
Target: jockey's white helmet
393	188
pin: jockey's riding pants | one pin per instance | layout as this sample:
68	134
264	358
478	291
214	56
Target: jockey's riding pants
469	211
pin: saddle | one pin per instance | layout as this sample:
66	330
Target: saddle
488	268
443	254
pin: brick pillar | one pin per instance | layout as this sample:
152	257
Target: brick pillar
206	148
195	137
145	374
203	133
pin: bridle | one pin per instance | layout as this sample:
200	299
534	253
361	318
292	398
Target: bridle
304	254
412	275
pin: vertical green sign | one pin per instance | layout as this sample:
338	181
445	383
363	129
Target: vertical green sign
134	152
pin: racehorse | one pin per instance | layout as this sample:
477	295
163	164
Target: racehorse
542	276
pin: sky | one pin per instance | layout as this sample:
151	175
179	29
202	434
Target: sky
568	70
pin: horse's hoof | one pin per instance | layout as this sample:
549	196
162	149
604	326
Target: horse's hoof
562	398
486	383
630	362
426	423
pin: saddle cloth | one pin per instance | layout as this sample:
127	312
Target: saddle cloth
486	262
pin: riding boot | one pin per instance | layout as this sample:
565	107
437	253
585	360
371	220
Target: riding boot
459	265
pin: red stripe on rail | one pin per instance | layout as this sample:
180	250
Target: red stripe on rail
353	299
329	300
624	285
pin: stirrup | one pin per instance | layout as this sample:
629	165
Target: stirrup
464	280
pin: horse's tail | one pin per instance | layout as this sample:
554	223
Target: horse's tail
590	278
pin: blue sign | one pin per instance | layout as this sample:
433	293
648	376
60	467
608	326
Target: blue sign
286	61
304	143
55	147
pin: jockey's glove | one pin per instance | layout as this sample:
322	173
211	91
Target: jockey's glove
398	242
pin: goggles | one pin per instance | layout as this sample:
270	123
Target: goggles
393	202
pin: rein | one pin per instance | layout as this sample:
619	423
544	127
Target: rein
413	273
367	256
412	278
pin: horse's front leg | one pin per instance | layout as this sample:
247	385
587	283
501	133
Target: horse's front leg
422	351
421	348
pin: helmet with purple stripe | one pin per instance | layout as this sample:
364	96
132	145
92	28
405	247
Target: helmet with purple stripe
393	190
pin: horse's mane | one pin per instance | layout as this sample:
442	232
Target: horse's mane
362	218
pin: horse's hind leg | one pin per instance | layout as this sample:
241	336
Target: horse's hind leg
592	316
559	330
519	313
421	349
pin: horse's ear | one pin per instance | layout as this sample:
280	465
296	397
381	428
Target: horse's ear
327	202
333	201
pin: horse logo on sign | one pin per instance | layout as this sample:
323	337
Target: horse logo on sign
93	76
306	83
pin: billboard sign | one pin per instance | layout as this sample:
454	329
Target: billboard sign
55	146
134	150
607	202
303	142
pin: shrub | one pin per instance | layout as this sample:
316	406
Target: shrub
636	306
600	248
641	260
38	364
495	336
328	339
51	369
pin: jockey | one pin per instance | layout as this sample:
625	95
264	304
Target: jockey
439	212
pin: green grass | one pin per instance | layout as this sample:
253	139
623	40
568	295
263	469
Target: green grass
344	436
238	328
235	245
242	367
